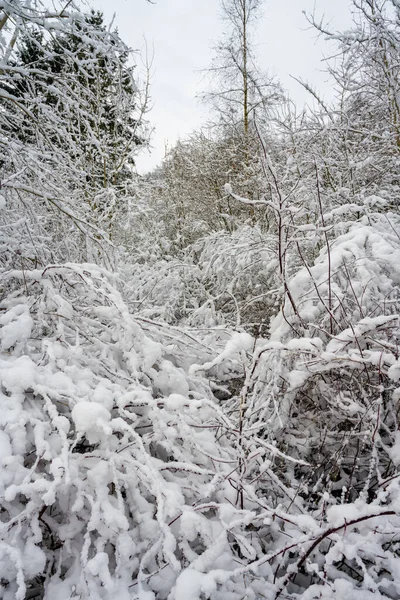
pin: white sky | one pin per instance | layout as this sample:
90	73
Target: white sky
182	33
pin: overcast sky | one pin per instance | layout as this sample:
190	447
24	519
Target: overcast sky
182	33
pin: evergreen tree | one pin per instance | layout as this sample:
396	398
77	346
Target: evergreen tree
110	134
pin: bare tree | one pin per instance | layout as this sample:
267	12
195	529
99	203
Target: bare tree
239	87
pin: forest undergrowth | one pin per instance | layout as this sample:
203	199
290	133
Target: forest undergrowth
199	367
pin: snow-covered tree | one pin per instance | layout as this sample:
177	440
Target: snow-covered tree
68	122
239	87
216	419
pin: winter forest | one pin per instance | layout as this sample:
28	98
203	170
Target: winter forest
199	366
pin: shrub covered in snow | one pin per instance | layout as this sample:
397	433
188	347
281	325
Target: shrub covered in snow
109	464
215	423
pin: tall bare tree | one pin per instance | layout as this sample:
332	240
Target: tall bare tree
239	86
